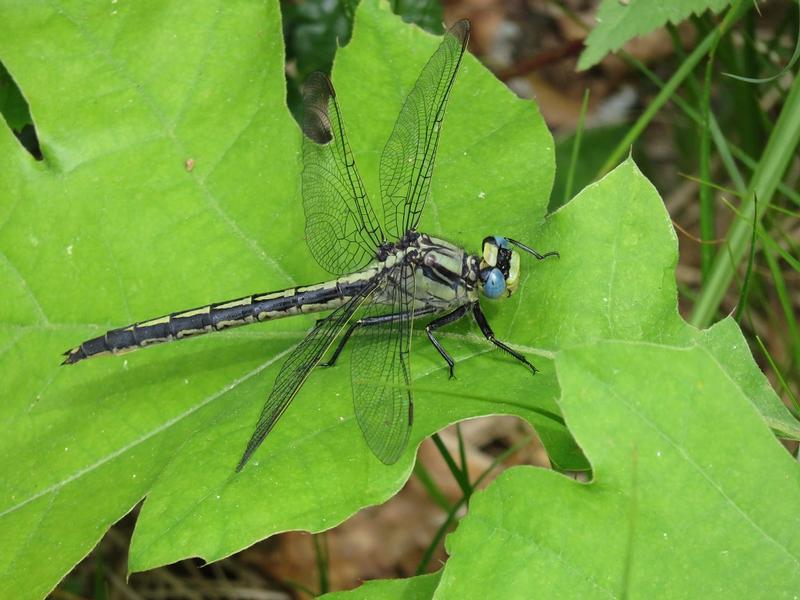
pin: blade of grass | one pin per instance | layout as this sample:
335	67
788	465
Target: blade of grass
707	212
781	148
792	328
430	486
724	149
742	304
669	89
779	74
765	239
321	558
576	147
426	557
752	164
458	474
462	452
779	375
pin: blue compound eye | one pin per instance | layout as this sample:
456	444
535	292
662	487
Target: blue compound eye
495	284
502	242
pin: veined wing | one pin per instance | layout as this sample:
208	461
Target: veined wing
408	158
380	368
297	367
342	230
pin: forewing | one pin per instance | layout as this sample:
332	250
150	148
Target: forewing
408	158
297	367
342	230
380	368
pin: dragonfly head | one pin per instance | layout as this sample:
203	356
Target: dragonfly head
498	274
498	271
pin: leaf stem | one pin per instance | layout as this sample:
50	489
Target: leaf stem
576	148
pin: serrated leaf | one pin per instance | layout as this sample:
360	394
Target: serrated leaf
619	22
691	496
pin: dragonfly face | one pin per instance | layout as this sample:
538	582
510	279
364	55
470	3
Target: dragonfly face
387	274
499	268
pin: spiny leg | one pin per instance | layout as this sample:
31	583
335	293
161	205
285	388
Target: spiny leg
450	317
366	322
489	335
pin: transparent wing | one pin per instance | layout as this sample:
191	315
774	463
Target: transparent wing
297	367
407	160
342	230
380	368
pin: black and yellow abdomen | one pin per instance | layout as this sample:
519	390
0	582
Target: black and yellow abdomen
219	316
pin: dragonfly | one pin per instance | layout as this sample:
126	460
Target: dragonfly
387	274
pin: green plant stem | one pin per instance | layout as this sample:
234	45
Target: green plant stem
458	474
741	306
672	85
725	150
785	301
765	239
702	96
707	212
752	164
780	149
462	452
426	558
779	375
430	486
321	557
576	147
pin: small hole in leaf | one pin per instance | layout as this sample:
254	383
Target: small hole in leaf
17	114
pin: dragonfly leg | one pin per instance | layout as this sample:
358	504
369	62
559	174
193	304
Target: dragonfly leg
450	317
366	322
489	335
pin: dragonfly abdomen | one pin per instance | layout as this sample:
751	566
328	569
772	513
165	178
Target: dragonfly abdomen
219	316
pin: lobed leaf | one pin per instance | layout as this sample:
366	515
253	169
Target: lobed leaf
618	22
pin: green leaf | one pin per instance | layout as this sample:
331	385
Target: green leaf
425	13
172	181
616	280
113	227
691	496
412	588
619	22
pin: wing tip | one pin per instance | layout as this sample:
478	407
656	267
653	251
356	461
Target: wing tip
460	30
317	93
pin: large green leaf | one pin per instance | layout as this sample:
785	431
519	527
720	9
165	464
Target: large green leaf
113	226
614	288
692	497
170	179
619	22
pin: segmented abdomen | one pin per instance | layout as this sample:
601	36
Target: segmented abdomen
215	317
